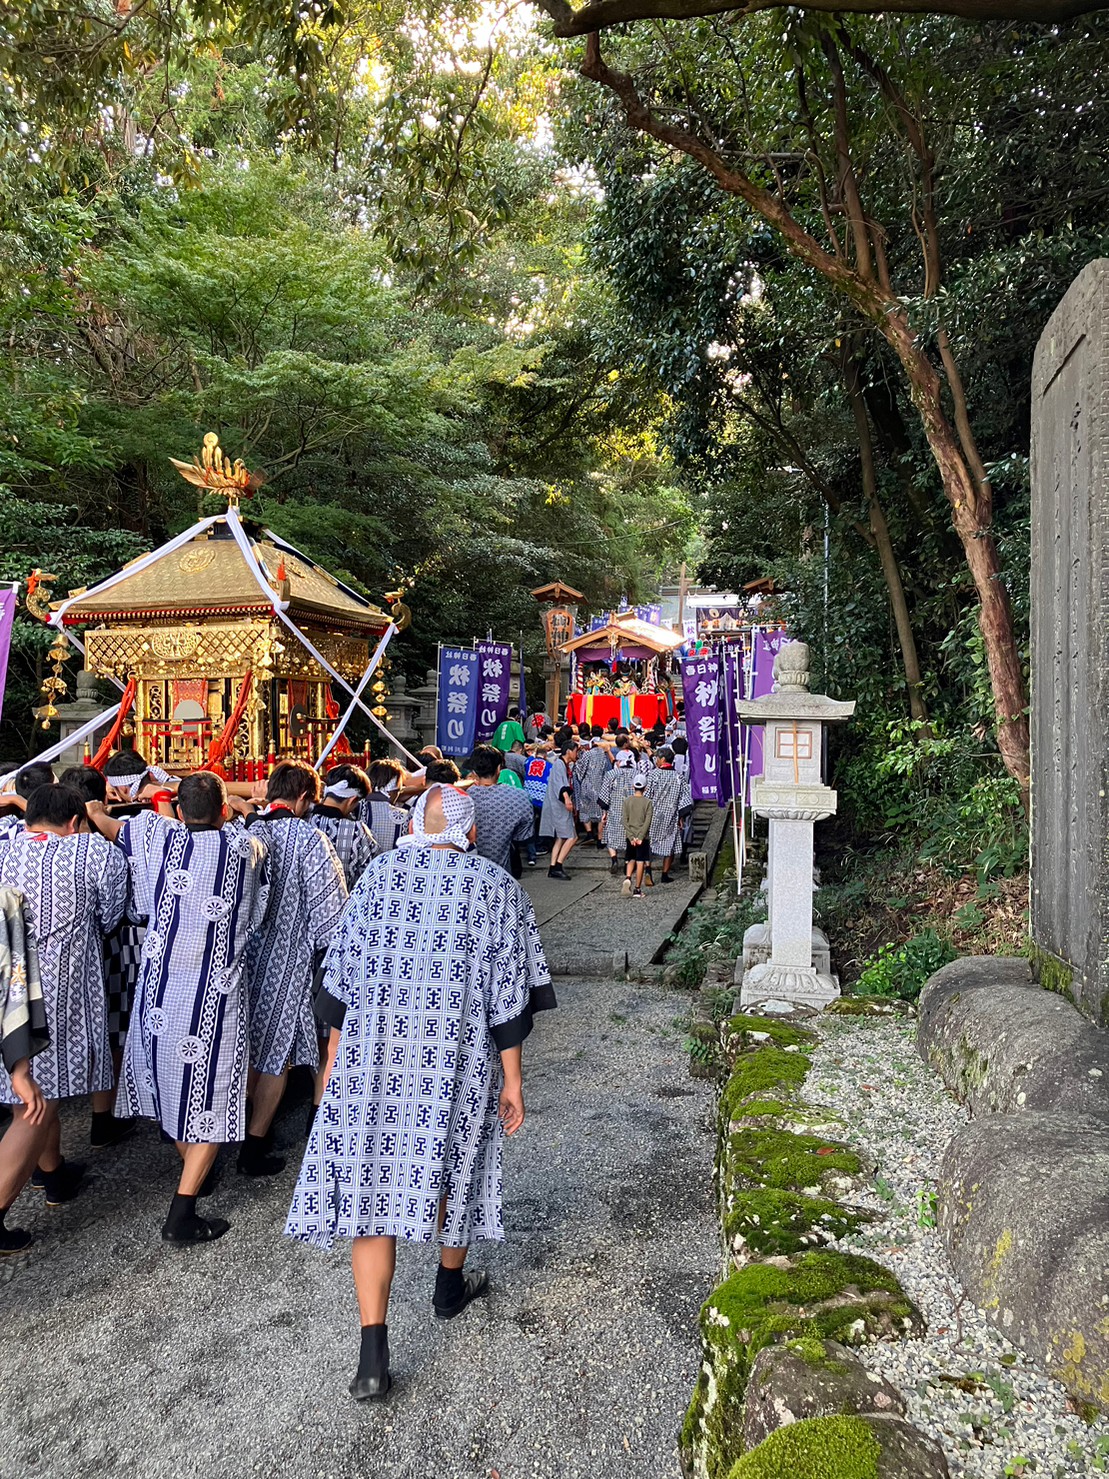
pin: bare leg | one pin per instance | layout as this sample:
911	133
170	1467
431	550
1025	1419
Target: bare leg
268	1091
103	1100
453	1257
198	1161
50	1146
22	1146
639	870
373	1261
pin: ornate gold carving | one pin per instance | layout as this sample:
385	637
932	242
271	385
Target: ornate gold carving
195	559
176	643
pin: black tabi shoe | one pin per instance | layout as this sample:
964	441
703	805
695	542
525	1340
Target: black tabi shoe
194	1229
474	1282
13	1239
61	1185
615	867
666	878
106	1130
253	1160
372	1381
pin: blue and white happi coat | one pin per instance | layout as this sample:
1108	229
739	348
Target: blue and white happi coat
671	795
386	821
350	837
75	890
615	789
203	892
503	816
307	893
590	770
439	965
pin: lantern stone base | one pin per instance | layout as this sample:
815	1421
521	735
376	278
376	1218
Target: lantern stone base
756	949
788	986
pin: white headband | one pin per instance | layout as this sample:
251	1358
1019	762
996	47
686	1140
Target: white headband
342	789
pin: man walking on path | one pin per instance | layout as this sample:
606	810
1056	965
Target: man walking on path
431	984
385	819
673	802
503	814
557	818
638	813
75	887
616	787
307	893
589	774
201	887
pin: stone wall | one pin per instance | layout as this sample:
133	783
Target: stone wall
1070	640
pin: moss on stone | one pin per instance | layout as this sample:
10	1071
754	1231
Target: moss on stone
771	1221
863	1006
739	1031
819	1296
760	1075
816	1448
1052	973
780	1159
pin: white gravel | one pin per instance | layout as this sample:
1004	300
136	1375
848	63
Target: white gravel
1015	1421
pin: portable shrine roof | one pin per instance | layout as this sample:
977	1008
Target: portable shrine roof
557	592
627	631
209	576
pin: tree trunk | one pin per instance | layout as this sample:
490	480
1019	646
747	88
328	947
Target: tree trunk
971	517
882	542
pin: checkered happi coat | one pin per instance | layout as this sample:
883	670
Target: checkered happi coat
436	950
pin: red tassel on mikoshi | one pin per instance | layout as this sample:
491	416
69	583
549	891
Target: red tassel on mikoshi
226	737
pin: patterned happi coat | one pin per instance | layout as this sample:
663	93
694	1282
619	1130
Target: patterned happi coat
350	837
386	821
616	787
439	964
75	890
671	794
203	891
307	892
589	772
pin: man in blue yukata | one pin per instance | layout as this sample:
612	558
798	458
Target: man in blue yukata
430	986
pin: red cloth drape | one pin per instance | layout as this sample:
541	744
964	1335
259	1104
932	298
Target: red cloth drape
342	744
108	743
226	737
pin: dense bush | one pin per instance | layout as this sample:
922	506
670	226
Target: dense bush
900	971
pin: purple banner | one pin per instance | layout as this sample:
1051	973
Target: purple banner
701	690
7	617
731	732
767	645
496	675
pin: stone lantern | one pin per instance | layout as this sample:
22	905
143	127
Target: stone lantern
792	795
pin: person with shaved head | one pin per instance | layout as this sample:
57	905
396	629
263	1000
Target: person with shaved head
430	987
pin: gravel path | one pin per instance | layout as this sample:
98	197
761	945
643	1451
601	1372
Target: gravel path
125	1358
1011	1421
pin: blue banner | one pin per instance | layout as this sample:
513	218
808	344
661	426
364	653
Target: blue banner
459	688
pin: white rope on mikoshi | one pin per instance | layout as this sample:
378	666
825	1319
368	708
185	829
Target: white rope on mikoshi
234	523
379	653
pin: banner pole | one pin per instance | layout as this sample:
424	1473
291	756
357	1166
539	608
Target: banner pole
438	689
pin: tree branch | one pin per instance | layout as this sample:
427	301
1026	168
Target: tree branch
597	15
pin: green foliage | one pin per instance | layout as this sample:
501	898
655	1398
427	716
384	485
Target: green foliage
756	1074
900	971
774	1222
783	1161
713	932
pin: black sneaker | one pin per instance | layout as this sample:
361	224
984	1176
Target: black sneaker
254	1162
195	1230
666	878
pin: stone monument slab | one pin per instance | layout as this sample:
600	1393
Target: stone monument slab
1070	639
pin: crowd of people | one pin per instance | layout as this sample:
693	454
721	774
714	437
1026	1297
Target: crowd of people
171	946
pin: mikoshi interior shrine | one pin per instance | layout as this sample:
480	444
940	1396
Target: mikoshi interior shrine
226	641
623	671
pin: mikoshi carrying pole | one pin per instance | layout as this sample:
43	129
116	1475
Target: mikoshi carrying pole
378	655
